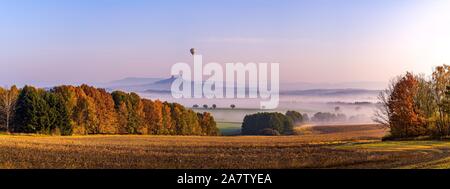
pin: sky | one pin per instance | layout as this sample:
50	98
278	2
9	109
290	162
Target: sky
88	41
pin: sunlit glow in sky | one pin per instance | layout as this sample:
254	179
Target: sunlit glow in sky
313	40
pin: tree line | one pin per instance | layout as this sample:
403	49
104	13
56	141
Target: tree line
84	110
328	117
417	106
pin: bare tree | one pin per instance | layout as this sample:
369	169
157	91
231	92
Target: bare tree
382	112
8	99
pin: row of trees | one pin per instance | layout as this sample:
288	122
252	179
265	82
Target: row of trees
214	106
69	110
414	105
324	117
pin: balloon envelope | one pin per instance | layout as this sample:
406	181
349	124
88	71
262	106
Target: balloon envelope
192	51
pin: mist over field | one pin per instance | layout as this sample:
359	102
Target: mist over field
358	108
356	100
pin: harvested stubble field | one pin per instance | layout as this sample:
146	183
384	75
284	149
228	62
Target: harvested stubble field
356	146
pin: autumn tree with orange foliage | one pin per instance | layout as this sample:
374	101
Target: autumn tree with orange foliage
208	124
406	119
413	106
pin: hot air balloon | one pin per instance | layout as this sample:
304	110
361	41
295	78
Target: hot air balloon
192	51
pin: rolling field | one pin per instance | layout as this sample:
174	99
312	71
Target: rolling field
352	146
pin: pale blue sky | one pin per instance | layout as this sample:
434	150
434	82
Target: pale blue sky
76	41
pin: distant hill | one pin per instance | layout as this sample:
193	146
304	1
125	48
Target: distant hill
330	92
166	81
369	85
131	84
157	91
161	85
130	81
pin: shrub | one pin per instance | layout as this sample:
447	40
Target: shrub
256	123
